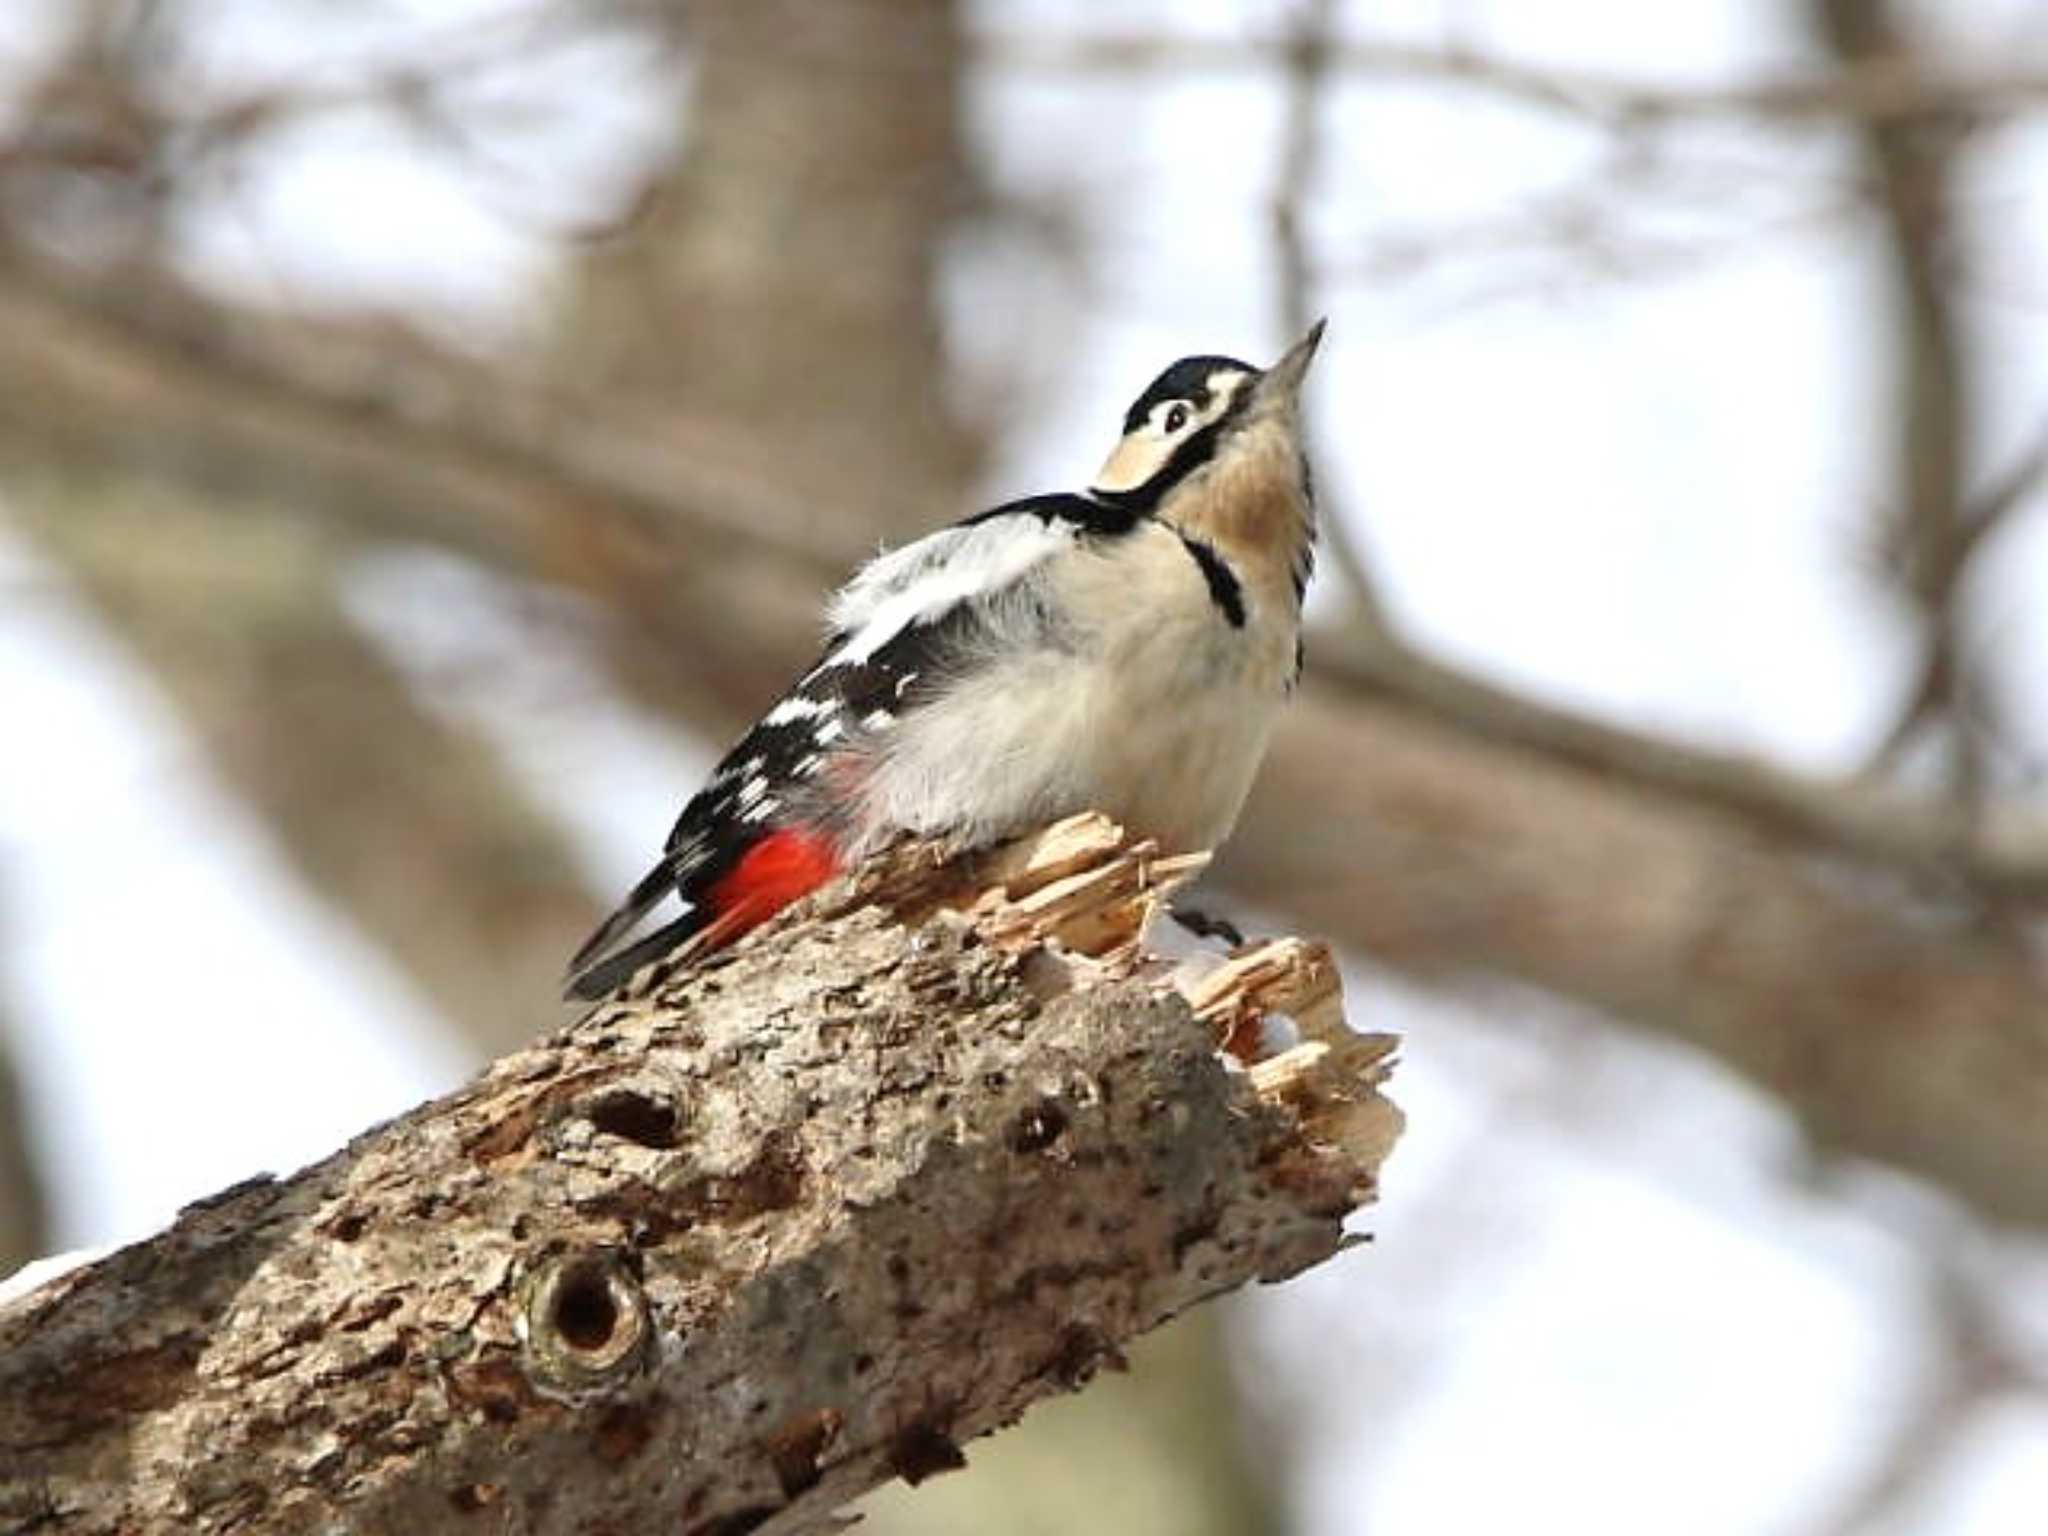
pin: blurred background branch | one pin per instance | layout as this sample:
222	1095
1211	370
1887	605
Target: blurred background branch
798	281
1878	89
24	1220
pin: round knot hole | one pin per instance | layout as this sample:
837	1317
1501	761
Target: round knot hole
585	1315
586	1323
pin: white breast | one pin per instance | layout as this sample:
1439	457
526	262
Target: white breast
1157	713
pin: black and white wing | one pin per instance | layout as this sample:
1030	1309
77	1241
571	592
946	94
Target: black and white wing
894	630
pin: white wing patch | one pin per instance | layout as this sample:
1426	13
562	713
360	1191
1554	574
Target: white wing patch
797	707
923	581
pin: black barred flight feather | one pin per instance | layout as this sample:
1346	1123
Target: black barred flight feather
898	628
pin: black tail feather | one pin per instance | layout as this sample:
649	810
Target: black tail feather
600	965
599	978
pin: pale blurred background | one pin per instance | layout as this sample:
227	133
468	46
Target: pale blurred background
427	429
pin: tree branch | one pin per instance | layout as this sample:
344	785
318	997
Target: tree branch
729	1250
1933	407
24	1216
2005	852
1889	1033
1971	1363
376	430
24	1201
1878	90
238	616
1302	154
401	426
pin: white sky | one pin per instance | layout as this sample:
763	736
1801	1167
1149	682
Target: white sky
1643	497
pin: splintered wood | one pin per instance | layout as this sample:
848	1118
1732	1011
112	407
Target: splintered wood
1086	896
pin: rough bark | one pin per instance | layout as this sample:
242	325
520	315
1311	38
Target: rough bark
723	1254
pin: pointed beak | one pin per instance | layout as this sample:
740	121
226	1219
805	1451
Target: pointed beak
1281	383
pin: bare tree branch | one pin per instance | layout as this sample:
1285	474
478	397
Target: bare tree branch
1933	530
1909	1038
1948	563
1933	408
78	124
778	295
24	1216
435	855
24	1202
387	436
510	461
1301	162
1879	89
721	1256
1972	1360
2007	854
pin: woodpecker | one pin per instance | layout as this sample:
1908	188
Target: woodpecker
1124	649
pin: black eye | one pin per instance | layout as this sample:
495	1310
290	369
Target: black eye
1176	418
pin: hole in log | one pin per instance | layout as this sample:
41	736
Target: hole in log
585	1314
1039	1126
586	1323
637	1117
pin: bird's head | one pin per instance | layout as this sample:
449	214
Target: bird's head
1213	448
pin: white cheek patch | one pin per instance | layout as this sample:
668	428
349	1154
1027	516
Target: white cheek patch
1145	452
796	707
1224	385
1135	460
